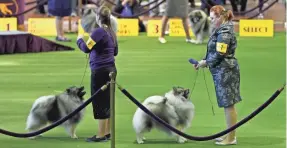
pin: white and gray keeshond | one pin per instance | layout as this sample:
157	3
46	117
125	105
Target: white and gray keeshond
200	25
174	108
49	109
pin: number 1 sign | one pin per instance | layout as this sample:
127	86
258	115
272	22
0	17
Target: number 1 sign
8	24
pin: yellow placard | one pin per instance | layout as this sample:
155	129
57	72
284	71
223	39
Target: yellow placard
81	30
128	27
221	47
154	28
176	28
8	24
42	26
90	43
256	28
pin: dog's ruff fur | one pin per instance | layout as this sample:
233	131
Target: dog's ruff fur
174	108
200	25
49	109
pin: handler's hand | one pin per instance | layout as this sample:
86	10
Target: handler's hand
80	36
195	66
201	64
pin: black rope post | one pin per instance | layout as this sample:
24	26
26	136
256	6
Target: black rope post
70	24
112	108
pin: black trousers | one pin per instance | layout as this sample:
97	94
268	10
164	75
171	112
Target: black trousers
101	102
142	27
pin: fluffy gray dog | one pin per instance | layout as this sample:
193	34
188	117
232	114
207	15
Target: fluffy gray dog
200	25
49	109
174	108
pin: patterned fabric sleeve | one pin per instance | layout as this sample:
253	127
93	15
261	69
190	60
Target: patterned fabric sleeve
222	45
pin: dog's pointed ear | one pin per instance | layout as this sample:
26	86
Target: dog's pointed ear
174	88
176	91
68	90
198	14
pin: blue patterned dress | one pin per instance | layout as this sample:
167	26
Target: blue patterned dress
221	61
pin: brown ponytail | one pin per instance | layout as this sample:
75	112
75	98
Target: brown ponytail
105	17
230	15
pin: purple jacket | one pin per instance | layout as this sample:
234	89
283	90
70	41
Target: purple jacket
101	48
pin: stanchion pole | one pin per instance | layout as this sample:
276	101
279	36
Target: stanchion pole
112	108
80	7
70	24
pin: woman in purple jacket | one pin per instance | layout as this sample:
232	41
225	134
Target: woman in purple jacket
102	47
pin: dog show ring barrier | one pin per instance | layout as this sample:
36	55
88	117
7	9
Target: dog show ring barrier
112	84
204	138
57	123
112	110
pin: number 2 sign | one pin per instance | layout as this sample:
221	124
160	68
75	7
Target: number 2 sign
154	28
8	24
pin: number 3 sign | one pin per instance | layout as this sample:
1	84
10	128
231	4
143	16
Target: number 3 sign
154	28
8	24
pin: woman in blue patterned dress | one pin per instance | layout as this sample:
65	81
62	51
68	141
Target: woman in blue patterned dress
221	61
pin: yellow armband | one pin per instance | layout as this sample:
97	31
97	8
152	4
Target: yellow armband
90	43
221	47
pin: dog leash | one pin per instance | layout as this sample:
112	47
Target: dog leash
193	87
194	83
85	69
208	93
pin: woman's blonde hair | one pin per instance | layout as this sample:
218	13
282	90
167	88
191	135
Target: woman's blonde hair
220	11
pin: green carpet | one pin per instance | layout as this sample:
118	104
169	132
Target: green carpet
146	67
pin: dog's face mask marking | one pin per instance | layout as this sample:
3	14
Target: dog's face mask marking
180	91
77	91
195	17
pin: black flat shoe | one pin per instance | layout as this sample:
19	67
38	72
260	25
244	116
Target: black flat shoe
95	139
62	39
108	136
